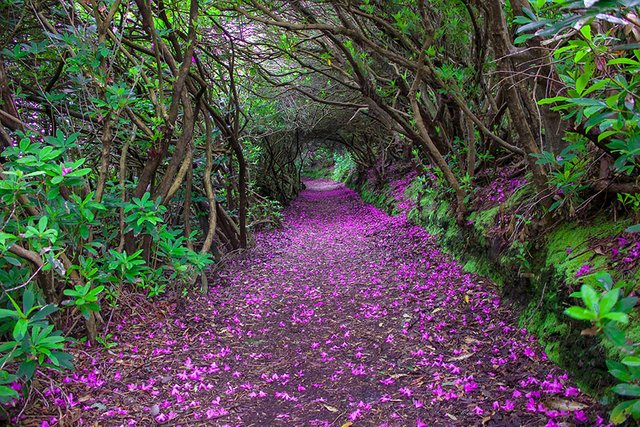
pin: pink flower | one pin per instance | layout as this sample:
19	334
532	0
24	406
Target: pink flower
580	416
355	415
50	422
388	381
583	270
470	386
571	392
406	391
508	405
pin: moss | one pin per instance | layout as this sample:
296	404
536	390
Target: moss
483	267
520	195
576	237
484	220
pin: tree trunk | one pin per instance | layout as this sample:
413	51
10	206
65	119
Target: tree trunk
6	102
208	187
242	191
187	207
503	48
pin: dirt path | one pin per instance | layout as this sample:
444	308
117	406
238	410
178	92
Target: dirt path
346	315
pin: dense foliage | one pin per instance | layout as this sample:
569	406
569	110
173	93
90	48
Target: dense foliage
141	141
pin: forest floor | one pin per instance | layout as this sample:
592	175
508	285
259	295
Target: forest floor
343	317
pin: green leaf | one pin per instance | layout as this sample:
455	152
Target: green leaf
618	370
27	369
27	300
589	297
71	293
631	361
65	360
625	304
523	38
7	394
12	348
635	410
8	313
44	312
531	26
633	229
604	278
623	61
617	317
627	389
42	224
596	86
586	102
614	334
580	313
54	193
608	300
83	230
590	111
96	290
583	80
546	101
20	329
620	413
13	261
521	19
79	172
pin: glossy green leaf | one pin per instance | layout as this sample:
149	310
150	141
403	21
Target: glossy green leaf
580	313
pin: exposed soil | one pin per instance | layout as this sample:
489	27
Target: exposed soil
345	316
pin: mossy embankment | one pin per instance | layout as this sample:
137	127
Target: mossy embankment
534	274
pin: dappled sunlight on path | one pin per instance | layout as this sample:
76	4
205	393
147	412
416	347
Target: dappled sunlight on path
345	315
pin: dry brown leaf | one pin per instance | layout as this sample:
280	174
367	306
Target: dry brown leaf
564	404
590	332
396	376
330	408
461	357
